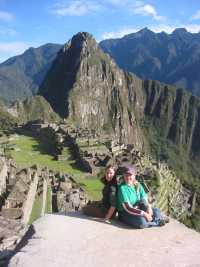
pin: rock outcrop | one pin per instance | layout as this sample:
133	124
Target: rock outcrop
87	87
78	241
34	108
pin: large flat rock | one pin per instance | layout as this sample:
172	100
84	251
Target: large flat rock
74	240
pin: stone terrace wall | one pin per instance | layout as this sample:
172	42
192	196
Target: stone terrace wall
19	197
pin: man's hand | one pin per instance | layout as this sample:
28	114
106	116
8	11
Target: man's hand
147	216
149	210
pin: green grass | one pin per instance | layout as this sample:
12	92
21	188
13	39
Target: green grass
36	211
48	206
92	186
25	154
93	146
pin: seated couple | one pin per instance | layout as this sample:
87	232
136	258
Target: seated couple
128	199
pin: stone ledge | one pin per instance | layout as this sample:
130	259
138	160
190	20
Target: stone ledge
75	240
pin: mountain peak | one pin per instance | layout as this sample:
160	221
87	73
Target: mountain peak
145	30
80	41
82	36
180	31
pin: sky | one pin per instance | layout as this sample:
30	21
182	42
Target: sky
31	23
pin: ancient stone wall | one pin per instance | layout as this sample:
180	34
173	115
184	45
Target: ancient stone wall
30	199
21	190
3	175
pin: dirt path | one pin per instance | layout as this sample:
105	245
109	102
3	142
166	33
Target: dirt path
75	241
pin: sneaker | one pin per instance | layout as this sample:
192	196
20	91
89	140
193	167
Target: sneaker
161	222
166	219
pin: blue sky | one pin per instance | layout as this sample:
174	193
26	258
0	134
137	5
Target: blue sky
26	23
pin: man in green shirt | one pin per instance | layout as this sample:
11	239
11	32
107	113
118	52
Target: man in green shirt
133	206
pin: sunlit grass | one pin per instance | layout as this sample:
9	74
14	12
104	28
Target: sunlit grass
92	186
36	210
48	206
25	153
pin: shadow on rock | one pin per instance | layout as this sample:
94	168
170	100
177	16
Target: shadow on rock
79	215
24	241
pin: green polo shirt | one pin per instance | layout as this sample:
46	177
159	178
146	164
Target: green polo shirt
130	194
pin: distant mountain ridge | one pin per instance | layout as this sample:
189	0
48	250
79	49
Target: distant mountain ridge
21	76
171	58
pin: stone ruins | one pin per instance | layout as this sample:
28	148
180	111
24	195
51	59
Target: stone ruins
19	189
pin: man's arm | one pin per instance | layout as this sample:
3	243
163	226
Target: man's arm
137	212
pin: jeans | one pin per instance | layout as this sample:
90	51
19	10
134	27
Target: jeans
140	222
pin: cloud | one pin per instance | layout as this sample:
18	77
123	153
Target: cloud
196	15
140	8
6	16
120	33
7	31
116	2
193	28
162	28
9	49
75	8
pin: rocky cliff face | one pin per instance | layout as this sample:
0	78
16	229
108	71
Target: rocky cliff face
87	87
6	119
32	109
177	114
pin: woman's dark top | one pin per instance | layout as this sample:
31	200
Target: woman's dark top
109	193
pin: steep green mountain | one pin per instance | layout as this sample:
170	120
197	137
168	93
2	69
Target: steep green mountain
171	124
85	86
21	76
7	121
171	58
33	109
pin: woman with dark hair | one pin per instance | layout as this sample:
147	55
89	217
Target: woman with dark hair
105	209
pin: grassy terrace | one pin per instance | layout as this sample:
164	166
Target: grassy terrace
48	206
93	146
36	211
28	151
